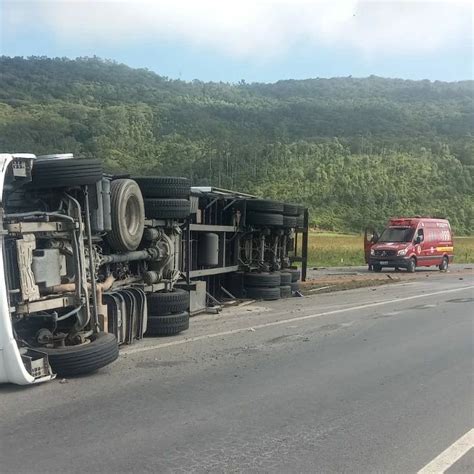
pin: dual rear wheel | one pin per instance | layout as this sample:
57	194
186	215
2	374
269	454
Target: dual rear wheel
168	312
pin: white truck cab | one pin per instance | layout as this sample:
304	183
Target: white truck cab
13	362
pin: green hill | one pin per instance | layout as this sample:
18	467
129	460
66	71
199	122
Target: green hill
356	151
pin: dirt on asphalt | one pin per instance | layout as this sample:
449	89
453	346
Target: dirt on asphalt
327	282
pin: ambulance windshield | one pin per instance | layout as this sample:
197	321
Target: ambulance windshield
397	234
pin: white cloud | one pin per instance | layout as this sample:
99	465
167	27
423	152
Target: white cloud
252	28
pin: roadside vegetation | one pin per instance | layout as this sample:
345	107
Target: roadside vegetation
338	250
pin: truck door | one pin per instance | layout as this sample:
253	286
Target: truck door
429	254
370	238
424	249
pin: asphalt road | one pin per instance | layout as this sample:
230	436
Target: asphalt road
367	380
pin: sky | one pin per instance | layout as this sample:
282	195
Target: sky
251	40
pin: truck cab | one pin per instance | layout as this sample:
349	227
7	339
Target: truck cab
412	242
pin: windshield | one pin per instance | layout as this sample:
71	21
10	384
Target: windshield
397	234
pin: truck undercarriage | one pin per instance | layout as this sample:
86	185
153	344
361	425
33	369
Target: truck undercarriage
91	261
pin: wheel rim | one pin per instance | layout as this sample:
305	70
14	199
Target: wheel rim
132	211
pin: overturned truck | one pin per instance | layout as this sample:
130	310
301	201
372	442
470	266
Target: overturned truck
90	261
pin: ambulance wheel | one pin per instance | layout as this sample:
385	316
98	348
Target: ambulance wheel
444	264
411	265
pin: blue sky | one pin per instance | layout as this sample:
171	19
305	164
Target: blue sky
263	40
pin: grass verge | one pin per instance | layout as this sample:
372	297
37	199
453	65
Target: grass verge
337	250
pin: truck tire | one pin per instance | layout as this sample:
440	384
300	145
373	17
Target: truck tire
285	291
168	302
167	208
262	279
289	221
83	358
128	215
443	267
377	268
164	186
295	273
167	325
65	173
261	219
285	278
262	205
291	210
262	293
411	265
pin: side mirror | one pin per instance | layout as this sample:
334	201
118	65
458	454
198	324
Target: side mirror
419	239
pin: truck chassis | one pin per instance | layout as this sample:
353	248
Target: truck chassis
92	261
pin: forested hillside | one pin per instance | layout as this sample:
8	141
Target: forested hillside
356	151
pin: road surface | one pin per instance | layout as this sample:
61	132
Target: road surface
367	380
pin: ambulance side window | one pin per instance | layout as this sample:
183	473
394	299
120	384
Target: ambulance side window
420	236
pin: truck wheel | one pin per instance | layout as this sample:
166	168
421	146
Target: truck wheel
444	264
167	302
164	186
83	358
291	210
289	221
262	293
263	219
262	205
285	278
262	279
411	265
376	268
167	325
128	215
65	173
167	208
295	273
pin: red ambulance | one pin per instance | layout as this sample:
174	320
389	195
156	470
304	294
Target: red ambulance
410	242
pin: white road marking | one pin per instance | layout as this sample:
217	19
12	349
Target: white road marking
450	455
178	342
